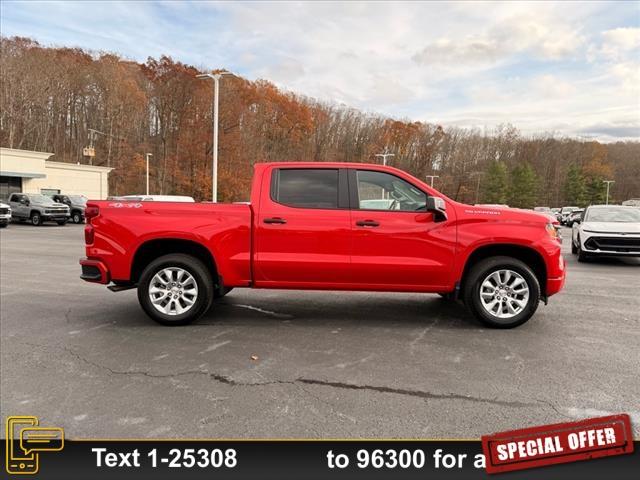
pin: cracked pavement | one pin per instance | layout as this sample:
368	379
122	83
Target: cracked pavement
329	364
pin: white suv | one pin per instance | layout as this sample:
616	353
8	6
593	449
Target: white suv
607	230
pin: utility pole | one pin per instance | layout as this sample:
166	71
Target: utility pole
431	177
214	168
148	155
384	156
608	182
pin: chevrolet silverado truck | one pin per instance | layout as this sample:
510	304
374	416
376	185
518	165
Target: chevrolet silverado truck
325	226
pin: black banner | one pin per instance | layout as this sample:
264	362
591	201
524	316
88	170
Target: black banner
294	459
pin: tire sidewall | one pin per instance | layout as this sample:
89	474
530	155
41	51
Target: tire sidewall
77	218
196	269
36	220
485	268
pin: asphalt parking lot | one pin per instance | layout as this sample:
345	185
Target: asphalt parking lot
329	365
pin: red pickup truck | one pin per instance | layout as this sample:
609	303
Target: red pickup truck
325	226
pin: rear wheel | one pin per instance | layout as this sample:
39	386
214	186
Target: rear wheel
175	289
502	292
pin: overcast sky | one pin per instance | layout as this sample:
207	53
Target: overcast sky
572	68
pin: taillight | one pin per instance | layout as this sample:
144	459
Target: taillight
89	234
91	211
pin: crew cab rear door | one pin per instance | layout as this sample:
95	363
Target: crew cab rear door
302	229
397	244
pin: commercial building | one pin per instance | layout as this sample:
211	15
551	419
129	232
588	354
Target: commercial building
32	172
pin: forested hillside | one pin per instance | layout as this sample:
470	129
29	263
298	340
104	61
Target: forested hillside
50	97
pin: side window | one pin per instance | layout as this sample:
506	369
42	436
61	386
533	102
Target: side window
306	188
383	191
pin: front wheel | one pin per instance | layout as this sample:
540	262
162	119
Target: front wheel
175	289
36	219
582	256
502	292
76	217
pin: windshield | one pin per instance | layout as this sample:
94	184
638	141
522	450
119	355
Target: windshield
613	214
78	198
43	199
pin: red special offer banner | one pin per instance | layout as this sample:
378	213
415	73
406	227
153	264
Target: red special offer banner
558	443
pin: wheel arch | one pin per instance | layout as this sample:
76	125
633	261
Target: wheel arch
529	256
152	249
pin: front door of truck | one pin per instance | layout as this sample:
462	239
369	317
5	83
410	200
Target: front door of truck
397	244
302	229
18	204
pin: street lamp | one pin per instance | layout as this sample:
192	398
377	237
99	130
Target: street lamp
216	86
608	182
148	155
431	177
384	156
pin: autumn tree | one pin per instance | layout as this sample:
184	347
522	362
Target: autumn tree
160	107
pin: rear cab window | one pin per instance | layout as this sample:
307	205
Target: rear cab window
306	187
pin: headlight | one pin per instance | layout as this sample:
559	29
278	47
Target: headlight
553	233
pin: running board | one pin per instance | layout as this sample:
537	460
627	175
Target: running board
121	288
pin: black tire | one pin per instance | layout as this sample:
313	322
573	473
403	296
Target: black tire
582	256
201	276
4	225
574	249
36	219
76	217
484	268
221	292
61	222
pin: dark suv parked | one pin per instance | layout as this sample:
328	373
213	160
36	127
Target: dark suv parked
76	203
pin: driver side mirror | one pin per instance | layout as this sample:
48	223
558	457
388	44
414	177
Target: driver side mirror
438	207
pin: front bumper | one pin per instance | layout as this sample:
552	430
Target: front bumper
5	219
94	271
610	244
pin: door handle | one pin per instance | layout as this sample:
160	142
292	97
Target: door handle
367	223
272	220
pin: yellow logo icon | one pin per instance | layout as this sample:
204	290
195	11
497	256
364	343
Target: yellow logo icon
25	440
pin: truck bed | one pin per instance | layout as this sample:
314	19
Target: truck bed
122	227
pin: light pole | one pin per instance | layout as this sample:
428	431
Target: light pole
216	86
384	156
608	182
148	155
431	177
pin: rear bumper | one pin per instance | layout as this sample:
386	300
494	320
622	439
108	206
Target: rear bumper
94	271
